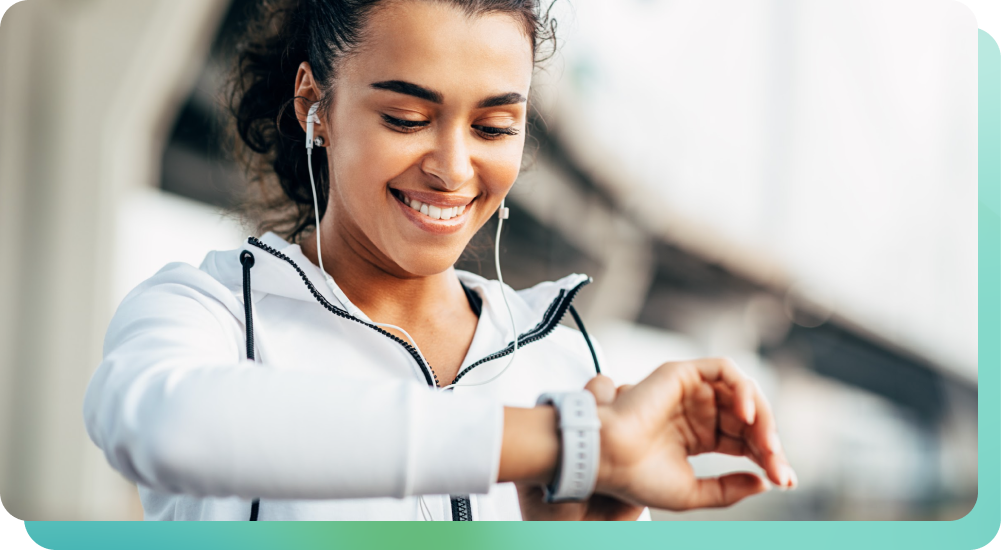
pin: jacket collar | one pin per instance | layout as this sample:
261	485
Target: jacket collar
275	273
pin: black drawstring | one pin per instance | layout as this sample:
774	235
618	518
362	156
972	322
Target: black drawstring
247	259
590	346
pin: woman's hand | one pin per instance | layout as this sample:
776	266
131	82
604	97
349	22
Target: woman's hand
595	508
683	409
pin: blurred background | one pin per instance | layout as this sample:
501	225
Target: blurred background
791	183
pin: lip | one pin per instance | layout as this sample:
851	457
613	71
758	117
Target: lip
431	225
440	200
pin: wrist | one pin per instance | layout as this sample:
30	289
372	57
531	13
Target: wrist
531	445
607	482
580	447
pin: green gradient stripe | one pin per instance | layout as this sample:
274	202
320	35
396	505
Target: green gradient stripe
972	531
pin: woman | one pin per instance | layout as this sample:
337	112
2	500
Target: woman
290	380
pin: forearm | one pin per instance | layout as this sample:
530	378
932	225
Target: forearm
531	445
253	431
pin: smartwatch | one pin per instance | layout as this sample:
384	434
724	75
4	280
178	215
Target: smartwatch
580	445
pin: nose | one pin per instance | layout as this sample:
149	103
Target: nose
450	161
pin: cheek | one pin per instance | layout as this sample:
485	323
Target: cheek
499	169
363	161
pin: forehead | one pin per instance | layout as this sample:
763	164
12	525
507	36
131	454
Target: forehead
435	44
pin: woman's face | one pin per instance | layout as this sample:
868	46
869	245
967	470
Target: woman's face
425	133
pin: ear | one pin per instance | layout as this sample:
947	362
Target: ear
307	92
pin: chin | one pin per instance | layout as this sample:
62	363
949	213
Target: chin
427	263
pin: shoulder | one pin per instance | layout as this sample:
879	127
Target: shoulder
179	297
178	282
540	302
218	280
543	294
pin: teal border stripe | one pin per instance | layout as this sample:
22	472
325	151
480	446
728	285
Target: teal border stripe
973	531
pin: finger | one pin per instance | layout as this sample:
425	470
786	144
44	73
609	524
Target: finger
734	425
763	437
725	370
623	389
723	491
724	395
603	389
733	446
702	414
730	425
736	446
729	422
731	439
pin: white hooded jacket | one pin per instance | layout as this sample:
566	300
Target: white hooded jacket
335	419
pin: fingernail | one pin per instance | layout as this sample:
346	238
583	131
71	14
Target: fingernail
749	411
788	477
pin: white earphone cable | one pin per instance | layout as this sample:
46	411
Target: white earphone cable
316	212
500	278
319	254
424	506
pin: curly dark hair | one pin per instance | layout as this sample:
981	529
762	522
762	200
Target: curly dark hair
282	35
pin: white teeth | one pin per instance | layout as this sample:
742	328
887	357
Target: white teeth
436	212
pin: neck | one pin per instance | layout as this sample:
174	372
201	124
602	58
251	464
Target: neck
383	293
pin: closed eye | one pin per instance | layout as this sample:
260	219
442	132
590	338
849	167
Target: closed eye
487	132
493	132
403	124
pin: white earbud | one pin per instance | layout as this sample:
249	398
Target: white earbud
312	119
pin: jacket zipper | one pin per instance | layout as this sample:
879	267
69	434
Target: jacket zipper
550	319
429	375
461	506
554	314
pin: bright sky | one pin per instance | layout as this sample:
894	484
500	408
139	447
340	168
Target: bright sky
828	145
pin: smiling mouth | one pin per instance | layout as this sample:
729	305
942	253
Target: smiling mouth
431	211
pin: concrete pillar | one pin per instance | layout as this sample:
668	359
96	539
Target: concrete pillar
88	91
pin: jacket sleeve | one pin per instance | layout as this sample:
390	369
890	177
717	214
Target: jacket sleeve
174	407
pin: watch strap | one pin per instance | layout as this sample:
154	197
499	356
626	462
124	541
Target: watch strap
580	445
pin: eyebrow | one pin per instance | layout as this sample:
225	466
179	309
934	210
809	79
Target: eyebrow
509	98
411	89
427	94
